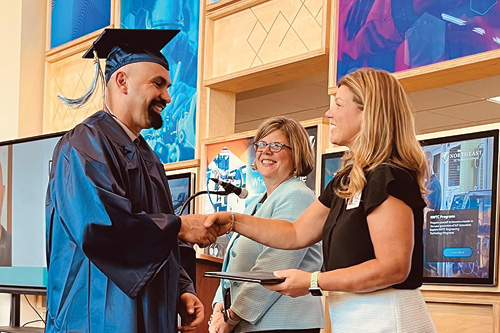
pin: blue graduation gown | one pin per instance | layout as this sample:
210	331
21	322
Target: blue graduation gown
112	248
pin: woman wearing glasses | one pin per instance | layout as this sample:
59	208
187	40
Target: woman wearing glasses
282	154
369	217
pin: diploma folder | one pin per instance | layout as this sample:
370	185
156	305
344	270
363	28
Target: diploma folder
255	276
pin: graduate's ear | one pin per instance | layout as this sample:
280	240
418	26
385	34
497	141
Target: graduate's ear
121	80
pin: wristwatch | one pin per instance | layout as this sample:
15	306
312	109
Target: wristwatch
314	289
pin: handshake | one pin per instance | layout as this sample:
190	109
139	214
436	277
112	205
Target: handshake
204	229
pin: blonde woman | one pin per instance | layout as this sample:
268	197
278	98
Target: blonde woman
369	217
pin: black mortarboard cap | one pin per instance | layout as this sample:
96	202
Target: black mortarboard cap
121	47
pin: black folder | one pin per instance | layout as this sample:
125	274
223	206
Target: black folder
254	276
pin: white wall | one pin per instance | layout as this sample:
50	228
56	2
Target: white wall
32	67
10	60
22	66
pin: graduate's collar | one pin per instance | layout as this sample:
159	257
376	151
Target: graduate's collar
130	134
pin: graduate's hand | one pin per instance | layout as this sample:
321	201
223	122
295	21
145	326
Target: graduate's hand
194	231
222	220
296	284
191	312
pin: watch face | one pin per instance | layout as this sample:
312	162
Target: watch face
316	291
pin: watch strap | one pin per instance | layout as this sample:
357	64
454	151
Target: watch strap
314	280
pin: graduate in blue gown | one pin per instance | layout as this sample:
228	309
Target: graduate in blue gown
112	237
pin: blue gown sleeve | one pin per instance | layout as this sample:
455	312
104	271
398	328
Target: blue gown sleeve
92	204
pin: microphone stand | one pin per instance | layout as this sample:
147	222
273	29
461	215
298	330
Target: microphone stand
197	194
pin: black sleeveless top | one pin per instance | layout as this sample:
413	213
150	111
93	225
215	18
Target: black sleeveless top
346	238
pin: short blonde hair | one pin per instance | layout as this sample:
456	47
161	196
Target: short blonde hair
387	133
302	153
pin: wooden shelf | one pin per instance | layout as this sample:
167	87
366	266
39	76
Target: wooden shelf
474	67
201	256
270	74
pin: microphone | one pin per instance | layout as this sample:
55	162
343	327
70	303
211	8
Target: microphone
230	188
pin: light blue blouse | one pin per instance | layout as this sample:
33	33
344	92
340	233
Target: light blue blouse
262	309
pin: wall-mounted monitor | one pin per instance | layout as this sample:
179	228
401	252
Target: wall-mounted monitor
182	187
460	218
330	164
25	167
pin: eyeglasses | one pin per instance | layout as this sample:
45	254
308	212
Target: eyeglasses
274	147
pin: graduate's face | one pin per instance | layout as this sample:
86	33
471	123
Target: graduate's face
149	83
345	118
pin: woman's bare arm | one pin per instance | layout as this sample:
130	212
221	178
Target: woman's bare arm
280	234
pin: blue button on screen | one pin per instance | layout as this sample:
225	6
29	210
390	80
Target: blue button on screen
457	252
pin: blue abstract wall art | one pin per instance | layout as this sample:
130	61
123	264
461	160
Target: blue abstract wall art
71	19
176	139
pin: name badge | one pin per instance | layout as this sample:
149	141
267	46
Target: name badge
354	201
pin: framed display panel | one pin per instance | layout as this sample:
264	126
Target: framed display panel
229	162
28	162
330	164
72	19
400	35
466	48
310	179
182	186
460	232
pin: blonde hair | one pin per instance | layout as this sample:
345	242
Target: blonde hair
302	154
387	133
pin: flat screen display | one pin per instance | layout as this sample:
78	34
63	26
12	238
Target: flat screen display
330	164
459	220
23	184
181	187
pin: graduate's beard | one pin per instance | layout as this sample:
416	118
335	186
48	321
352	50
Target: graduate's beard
154	118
